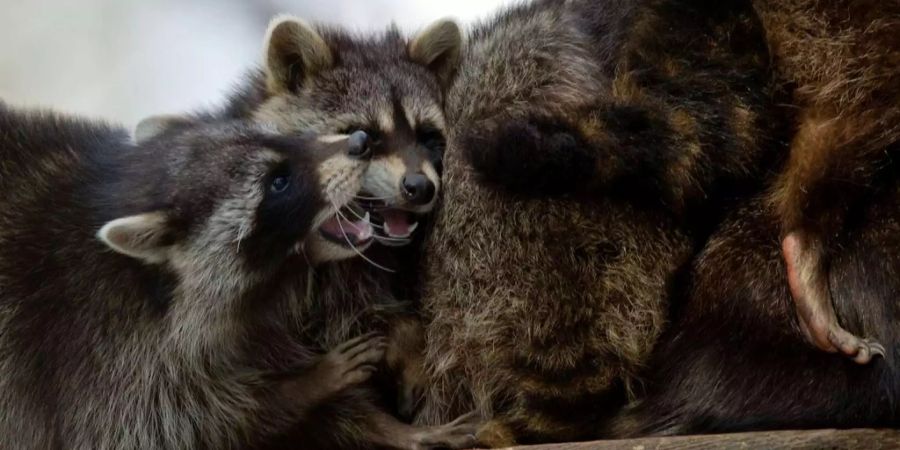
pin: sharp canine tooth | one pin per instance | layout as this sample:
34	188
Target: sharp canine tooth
413	227
366	217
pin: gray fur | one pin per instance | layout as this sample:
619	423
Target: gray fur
102	350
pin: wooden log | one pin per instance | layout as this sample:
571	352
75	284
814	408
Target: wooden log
790	439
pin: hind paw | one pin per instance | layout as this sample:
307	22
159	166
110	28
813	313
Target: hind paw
861	350
455	435
815	311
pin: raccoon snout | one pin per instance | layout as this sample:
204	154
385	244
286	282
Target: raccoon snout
417	188
358	145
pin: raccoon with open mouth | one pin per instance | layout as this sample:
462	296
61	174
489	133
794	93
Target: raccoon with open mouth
148	293
325	80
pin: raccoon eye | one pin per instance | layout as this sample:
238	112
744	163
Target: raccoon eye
374	134
280	180
279	184
432	138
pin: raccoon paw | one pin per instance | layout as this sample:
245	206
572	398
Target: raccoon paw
457	434
352	362
527	157
815	310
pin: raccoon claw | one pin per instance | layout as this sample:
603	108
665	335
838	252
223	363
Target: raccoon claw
867	350
815	312
827	335
458	434
353	361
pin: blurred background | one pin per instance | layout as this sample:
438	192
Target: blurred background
124	60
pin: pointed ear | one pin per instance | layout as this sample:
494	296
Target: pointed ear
144	236
438	48
294	53
155	125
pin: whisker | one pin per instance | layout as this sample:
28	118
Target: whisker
364	197
347	238
240	236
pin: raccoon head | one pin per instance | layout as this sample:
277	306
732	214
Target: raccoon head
326	81
237	205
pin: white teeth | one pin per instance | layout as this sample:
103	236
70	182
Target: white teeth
366	217
394	243
366	234
409	231
298	248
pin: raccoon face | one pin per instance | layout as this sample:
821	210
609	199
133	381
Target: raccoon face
325	81
242	204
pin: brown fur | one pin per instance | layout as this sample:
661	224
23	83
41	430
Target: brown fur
543	310
842	59
734	358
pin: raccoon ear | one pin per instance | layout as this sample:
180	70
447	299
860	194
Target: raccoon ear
155	125
144	236
294	53
438	48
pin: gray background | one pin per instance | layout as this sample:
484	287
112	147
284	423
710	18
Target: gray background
123	60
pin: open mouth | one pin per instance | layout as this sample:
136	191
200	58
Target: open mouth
350	227
394	226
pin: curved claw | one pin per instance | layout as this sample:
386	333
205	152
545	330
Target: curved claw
868	350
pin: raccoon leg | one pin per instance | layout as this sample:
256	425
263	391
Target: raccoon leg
348	364
390	433
809	288
405	359
529	153
647	148
829	170
686	114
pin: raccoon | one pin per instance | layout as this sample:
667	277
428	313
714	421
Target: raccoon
842	59
149	291
324	80
592	146
735	358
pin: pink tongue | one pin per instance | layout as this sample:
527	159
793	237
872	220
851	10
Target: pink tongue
357	231
397	222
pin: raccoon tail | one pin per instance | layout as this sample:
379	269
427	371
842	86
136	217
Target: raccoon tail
609	148
527	156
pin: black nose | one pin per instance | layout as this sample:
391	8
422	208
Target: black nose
417	188
359	145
